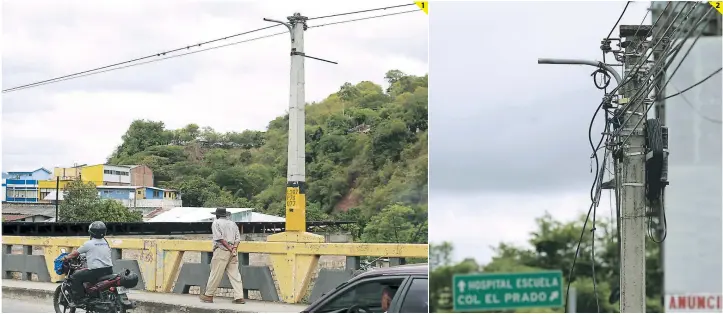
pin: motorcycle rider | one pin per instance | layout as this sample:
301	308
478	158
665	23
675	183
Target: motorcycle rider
98	256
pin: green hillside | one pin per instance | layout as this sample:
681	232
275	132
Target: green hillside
366	160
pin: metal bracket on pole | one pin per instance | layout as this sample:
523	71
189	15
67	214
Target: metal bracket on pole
282	23
296	53
596	64
293	50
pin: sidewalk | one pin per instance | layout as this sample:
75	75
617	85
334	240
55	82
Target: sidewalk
151	302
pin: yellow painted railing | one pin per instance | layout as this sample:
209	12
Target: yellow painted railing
294	256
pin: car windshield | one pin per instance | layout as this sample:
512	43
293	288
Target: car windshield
373	295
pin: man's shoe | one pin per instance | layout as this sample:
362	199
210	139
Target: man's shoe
238	301
205	299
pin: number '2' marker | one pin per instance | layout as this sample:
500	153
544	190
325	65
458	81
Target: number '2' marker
718	5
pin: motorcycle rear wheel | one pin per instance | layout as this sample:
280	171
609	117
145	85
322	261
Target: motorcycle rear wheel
59	300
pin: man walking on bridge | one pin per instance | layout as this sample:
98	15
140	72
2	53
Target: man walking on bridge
226	238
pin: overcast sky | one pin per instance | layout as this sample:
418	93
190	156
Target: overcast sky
509	136
230	89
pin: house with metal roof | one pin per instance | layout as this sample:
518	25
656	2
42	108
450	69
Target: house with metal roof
22	186
200	214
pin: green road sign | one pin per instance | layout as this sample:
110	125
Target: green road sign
496	291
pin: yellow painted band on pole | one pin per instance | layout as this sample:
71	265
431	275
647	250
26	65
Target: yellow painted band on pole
295	210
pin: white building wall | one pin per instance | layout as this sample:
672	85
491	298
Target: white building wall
125	177
693	248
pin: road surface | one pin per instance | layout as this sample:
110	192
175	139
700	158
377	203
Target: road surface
25	306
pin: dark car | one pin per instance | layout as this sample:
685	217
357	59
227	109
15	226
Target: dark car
371	291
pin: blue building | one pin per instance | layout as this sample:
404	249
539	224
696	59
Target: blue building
141	196
22	186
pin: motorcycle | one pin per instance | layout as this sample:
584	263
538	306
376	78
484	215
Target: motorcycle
108	295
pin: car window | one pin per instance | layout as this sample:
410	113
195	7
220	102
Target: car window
364	297
417	298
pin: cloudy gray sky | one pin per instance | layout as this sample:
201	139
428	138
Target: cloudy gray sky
230	89
509	136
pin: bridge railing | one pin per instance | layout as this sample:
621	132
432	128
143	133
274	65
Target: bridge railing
160	263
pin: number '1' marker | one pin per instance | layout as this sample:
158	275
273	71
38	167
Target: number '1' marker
424	5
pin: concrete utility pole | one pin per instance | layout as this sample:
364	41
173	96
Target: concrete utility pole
296	172
632	175
293	267
572	300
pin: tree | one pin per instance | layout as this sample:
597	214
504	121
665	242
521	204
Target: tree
552	247
389	140
395	224
366	152
440	255
141	135
82	204
393	76
440	277
348	92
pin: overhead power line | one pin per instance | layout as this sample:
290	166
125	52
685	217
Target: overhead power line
134	62
141	58
361	11
669	54
149	61
688	35
696	84
618	21
364	18
697	111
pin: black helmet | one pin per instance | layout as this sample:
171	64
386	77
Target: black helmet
129	279
97	230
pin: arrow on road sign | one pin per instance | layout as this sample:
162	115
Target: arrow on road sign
460	285
553	296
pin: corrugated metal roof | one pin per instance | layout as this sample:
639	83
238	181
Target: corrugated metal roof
195	214
14	217
155	213
30	172
191	214
123	187
259	217
9	209
132	187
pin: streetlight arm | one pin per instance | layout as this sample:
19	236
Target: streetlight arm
280	22
596	64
